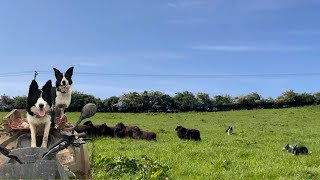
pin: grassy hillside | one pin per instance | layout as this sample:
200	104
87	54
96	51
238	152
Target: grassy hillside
253	152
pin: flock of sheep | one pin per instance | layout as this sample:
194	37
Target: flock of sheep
121	130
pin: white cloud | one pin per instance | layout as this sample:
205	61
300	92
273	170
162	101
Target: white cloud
172	5
179	4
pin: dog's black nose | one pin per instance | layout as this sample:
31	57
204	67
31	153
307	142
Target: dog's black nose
41	106
64	82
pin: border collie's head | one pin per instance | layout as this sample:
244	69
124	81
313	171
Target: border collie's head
229	130
287	148
39	101
64	80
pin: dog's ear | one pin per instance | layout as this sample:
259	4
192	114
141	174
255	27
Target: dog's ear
47	87
69	71
57	73
33	86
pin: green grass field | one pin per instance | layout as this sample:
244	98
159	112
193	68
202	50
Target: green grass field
253	152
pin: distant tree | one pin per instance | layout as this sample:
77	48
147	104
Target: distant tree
79	99
248	101
249	98
20	102
153	100
100	105
266	103
111	104
167	102
6	103
146	100
203	102
317	97
185	101
289	98
222	100
157	101
253	97
130	102
306	99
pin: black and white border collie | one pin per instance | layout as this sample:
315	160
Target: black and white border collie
63	88
229	130
295	150
39	104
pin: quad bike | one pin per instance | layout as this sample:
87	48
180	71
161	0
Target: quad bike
66	156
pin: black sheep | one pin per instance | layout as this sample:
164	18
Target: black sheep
105	130
93	129
89	130
144	135
122	130
184	133
96	130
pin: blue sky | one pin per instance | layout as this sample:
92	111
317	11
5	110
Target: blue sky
168	37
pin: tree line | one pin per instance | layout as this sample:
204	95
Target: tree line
156	101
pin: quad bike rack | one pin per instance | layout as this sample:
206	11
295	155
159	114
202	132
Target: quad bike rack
14	131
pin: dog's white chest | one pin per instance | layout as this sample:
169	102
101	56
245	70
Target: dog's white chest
39	123
63	98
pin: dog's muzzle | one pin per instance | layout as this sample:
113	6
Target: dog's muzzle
42	113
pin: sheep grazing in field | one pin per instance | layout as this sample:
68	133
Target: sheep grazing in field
88	123
184	133
104	130
83	129
87	128
144	135
122	130
96	130
119	132
111	131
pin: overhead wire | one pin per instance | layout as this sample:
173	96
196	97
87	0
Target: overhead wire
203	76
